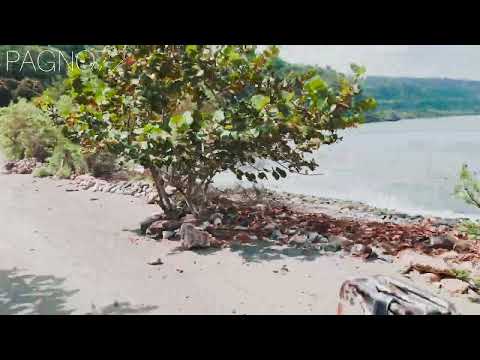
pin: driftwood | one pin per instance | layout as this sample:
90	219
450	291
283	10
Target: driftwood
381	295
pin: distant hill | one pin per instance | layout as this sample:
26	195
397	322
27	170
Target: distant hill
421	97
401	98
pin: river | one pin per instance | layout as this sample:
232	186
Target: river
408	165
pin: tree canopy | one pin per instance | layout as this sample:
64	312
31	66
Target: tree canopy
189	112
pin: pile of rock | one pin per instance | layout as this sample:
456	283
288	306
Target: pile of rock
132	188
443	271
24	166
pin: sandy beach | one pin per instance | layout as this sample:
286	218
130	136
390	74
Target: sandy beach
80	253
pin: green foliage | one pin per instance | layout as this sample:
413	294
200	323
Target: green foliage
26	131
468	188
461	274
413	97
471	228
66	159
190	112
41	172
102	164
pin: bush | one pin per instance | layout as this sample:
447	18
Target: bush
42	172
468	189
28	88
102	164
26	131
67	159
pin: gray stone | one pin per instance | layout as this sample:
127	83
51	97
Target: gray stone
193	237
298	239
145	224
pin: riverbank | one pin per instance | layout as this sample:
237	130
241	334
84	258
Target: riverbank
80	252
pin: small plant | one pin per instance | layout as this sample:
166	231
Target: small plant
67	159
471	228
42	172
460	274
468	189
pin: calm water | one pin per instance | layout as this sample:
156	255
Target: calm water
409	165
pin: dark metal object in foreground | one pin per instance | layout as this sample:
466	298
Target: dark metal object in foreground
381	295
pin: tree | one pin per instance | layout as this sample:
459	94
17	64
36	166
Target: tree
468	189
189	112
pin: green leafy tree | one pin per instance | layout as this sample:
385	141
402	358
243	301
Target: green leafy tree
189	112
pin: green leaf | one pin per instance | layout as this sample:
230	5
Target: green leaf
260	101
191	49
181	120
316	84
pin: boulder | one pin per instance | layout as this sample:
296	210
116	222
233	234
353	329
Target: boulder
298	240
430	277
424	263
153	198
145	224
216	219
442	242
454	286
158	227
193	237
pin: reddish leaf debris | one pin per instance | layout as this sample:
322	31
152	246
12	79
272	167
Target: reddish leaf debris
391	237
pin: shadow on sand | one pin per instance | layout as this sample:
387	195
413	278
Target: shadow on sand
25	294
32	295
261	251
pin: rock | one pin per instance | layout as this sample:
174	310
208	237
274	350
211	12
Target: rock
330	246
193	237
424	263
361	250
270	227
156	262
297	240
341	240
242	237
463	245
145	224
454	286
153	198
159	226
312	236
167	234
216	219
430	277
449	255
277	235
442	242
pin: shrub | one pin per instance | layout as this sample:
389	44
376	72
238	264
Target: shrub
471	228
26	131
28	88
102	164
41	172
468	188
67	159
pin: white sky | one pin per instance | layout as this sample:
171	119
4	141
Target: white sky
444	61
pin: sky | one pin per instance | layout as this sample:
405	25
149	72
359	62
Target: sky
440	61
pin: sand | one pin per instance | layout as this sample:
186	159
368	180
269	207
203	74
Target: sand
78	252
